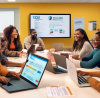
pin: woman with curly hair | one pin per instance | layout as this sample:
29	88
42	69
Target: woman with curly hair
82	46
14	46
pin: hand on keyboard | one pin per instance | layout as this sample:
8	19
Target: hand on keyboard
13	74
82	73
3	80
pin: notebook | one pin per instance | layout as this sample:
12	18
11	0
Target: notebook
30	76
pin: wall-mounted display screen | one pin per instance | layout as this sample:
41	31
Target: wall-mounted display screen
51	25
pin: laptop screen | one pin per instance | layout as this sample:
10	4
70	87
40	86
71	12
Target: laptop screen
34	68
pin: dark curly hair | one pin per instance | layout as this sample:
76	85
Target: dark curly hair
85	38
7	34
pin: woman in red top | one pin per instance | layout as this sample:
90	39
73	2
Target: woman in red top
14	46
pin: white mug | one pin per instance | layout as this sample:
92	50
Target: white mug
36	45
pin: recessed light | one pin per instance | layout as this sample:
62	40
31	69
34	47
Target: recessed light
11	0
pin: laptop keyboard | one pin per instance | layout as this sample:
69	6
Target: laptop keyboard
82	80
20	83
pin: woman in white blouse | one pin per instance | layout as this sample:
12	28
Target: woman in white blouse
82	46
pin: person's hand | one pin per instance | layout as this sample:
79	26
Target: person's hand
75	56
80	59
13	74
21	52
4	80
19	73
82	73
88	78
65	54
70	58
39	48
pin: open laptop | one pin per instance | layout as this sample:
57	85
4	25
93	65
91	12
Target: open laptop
56	64
31	49
58	46
30	76
72	72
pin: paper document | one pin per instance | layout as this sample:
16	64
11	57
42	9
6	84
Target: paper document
17	60
12	68
58	91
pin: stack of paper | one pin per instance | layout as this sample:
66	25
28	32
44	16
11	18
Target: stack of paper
58	91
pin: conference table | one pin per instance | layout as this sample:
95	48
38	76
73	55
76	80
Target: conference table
50	79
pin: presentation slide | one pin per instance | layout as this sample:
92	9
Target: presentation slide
6	19
51	25
34	68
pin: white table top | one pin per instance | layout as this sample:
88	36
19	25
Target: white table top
50	79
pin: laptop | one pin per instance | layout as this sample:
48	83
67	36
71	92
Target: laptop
81	81
56	64
30	76
31	49
58	46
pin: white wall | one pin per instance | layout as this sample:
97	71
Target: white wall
16	17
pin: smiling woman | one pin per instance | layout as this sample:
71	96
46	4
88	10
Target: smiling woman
3	58
93	59
82	46
96	40
14	46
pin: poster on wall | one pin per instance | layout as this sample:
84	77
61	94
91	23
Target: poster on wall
78	23
92	25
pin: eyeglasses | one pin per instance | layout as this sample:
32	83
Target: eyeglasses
94	40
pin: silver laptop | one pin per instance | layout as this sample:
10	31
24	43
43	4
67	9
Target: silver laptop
58	46
30	76
72	72
56	64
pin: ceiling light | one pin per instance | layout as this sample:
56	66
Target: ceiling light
11	0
